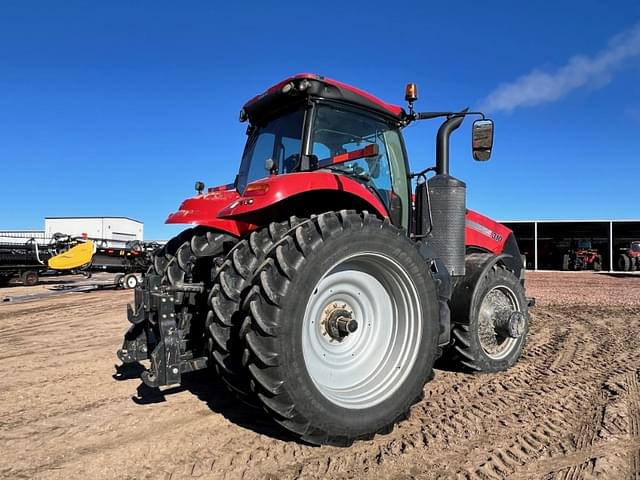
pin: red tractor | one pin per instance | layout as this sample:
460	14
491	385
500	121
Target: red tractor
582	256
629	257
318	287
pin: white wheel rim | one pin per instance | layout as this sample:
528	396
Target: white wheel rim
363	368
497	306
132	282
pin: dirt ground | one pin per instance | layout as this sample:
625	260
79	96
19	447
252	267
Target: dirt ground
569	410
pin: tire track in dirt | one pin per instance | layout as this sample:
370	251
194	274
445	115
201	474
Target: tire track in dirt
505	460
584	440
633	403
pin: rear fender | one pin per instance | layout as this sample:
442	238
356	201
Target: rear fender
304	193
203	210
465	290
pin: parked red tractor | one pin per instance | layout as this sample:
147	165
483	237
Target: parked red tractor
629	257
582	256
315	286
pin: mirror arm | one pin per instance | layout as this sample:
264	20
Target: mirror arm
430	115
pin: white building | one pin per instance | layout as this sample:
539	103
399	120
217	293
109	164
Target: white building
115	230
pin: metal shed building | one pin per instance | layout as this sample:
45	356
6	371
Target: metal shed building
115	230
544	241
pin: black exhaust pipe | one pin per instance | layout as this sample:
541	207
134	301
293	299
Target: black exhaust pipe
442	142
448	204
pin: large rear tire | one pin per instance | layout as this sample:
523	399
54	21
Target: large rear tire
163	255
323	377
624	263
190	257
486	343
231	282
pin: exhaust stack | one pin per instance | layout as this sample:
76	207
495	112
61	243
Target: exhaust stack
442	142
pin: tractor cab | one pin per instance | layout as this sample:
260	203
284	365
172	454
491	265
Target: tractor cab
310	123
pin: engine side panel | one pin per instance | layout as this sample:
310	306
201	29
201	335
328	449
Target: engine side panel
485	233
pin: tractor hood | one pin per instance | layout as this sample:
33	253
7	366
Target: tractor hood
202	209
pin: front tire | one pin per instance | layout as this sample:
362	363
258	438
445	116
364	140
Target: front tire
485	343
332	385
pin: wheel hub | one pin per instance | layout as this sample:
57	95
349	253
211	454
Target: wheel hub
511	326
338	322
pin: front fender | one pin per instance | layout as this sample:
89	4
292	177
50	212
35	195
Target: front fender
465	291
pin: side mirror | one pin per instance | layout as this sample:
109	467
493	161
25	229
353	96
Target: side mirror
482	139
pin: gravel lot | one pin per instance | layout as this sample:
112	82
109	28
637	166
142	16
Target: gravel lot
570	409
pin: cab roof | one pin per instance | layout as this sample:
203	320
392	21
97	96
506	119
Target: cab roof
311	84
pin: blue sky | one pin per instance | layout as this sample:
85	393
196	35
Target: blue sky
116	108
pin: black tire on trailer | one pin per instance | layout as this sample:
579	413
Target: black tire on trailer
29	278
483	344
624	263
565	261
325	385
226	314
633	263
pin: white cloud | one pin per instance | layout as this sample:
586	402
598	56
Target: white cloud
539	86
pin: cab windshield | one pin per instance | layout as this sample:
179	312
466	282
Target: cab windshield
279	140
635	247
